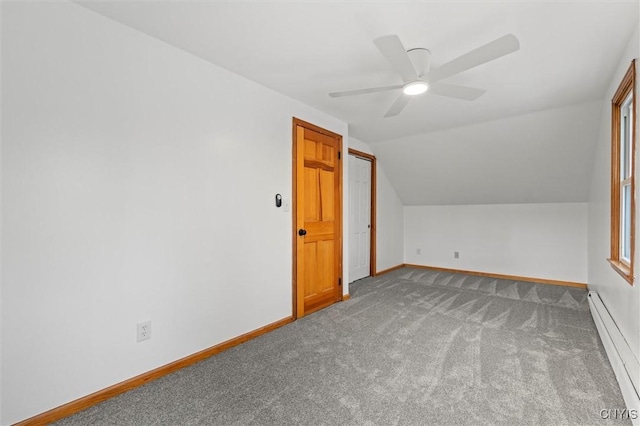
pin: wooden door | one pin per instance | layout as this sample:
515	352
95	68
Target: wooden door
317	218
359	217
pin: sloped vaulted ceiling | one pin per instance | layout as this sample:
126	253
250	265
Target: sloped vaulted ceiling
542	157
530	138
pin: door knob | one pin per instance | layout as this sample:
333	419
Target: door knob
302	232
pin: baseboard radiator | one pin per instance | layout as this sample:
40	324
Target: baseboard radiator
624	363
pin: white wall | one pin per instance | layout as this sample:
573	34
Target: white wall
532	240
138	183
360	146
621	299
389	219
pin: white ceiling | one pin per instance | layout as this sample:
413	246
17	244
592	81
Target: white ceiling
306	49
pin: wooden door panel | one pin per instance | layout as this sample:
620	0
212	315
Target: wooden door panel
310	269
325	282
310	149
311	195
327	212
319	268
318	212
327	154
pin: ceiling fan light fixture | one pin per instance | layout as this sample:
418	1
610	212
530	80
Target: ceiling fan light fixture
415	88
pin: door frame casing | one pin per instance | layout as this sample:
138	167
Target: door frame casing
373	218
294	207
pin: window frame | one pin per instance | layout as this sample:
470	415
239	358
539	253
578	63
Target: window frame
623	266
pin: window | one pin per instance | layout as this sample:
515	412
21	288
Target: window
623	149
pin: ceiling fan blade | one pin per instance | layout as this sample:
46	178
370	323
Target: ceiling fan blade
455	91
392	49
490	51
398	105
364	91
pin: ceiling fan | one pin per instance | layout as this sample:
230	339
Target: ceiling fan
418	78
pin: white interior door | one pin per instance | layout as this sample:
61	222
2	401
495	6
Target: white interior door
359	217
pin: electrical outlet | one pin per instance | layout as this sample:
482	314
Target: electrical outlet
418	251
456	255
144	331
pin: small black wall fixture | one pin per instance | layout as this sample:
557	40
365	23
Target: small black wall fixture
278	200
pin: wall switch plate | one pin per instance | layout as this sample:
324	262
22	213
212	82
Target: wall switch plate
418	251
144	331
456	255
286	203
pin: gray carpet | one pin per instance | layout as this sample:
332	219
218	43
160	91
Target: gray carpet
411	347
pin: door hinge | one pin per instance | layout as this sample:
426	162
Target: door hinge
340	281
339	155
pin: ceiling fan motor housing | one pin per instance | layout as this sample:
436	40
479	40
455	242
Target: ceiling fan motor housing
421	60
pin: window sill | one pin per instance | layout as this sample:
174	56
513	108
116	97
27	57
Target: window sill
622	269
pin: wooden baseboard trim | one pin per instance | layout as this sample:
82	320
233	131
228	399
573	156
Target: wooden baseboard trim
346	297
386	271
122	387
502	276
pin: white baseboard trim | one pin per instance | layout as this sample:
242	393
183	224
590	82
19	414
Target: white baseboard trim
624	363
